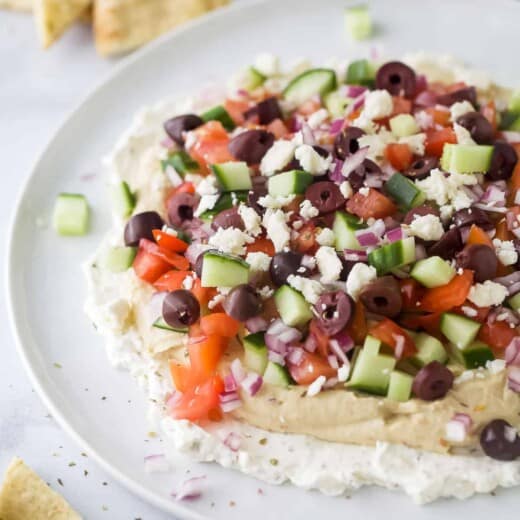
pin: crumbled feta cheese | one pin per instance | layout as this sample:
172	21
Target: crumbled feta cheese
277	230
470	312
311	289
364	191
346	189
278	156
506	251
311	161
265	292
415	143
460	108
187	283
326	237
329	264
378	104
427	227
216	300
496	366
194	178
360	275
487	294
424	120
297	224
443	188
376	143
307	210
268	201
317	118
230	240
258	261
455	431
252	220
316	386
365	123
446	213
190	139
463	135
343	372
268	64
206	202
207	186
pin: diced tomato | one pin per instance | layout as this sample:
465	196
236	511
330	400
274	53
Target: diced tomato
322	340
220	324
211	145
175	260
149	267
261	245
411	293
305	241
357	328
375	205
309	107
392	335
489	111
182	376
401	105
170	242
236	109
399	156
479	313
278	128
427	322
205	355
445	297
436	139
497	335
171	281
352	116
311	367
478	236
439	116
203	294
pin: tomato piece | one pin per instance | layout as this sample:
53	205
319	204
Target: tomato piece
427	322
399	155
375	205
309	107
322	340
357	328
392	335
205	355
261	245
411	293
310	367
149	267
489	111
445	297
278	128
478	236
305	241
236	109
220	324
182	376
497	335
401	105
171	281
175	260
211	145
436	139
502	232
203	294
196	404
440	117
169	242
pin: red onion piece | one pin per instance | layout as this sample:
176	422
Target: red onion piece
338	352
336	126
335	175
512	353
354	91
366	238
345	342
513	379
256	324
421	83
351	162
295	355
194	250
357	102
310	344
307	135
190	489
494	195
168	143
458	427
333	361
157	463
232	441
426	99
399	345
492	209
511	137
237	370
252	383
395	234
275	357
230	385
352	255
374	180
420	252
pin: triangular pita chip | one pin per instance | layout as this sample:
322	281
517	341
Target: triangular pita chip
18	5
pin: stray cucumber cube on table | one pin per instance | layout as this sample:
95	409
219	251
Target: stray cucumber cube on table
71	214
358	22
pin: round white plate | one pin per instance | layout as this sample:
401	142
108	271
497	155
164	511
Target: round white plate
46	286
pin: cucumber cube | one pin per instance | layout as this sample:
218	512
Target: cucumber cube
461	331
463	158
358	22
514	302
475	355
360	72
428	349
404	191
219	113
71	214
400	386
276	374
371	373
310	83
293	182
255	352
514	102
371	346
292	306
119	259
181	162
233	176
403	125
336	103
344	228
221	270
432	272
394	255
252	79
123	200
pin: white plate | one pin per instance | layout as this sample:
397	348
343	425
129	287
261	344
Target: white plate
46	287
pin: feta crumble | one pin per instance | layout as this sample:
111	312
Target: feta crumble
206	203
268	64
311	161
316	386
258	261
252	220
462	134
460	108
317	118
268	201
278	156
207	186
360	275
427	227
346	189
307	210
487	294
265	292
415	143
277	230
311	289
378	104
506	251
329	264
376	143
326	237
230	240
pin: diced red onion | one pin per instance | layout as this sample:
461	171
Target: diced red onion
155	305
492	209
295	355
395	234
512	352
459	427
336	126
237	370
426	99
256	324
399	345
333	361
190	489
358	102
230	385
310	344
335	175
283	333
471	193
421	83
194	250
353	255
511	137
233	441
252	383
226	397
230	402
354	91
168	143
307	135
331	382
504	314
345	342
374	180
513	379
509	282
338	352
173	175
351	162
366	238
391	223
464	233
157	463
512	223
493	195
275	357
477	189
274	344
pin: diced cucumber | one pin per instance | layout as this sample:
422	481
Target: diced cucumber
159	323
514	126
119	259
336	103
71	214
404	191
361	72
345	227
461	331
233	176
514	102
464	158
219	113
181	162
123	200
292	306
514	302
371	373
276	374
358	22
400	386
475	355
310	83
293	182
371	346
225	201
428	349
252	78
221	270
394	255
403	125
432	272
255	352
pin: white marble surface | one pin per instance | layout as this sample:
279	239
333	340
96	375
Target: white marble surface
37	90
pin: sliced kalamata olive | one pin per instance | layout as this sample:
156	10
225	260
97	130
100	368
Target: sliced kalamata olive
243	303
180	309
181	207
325	196
346	142
141	226
198	262
267	111
500	441
469	216
396	77
479	258
250	146
283	265
478	126
382	296
419	211
432	382
422	167
448	245
333	311
503	162
228	218
358	176
462	94
176	126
